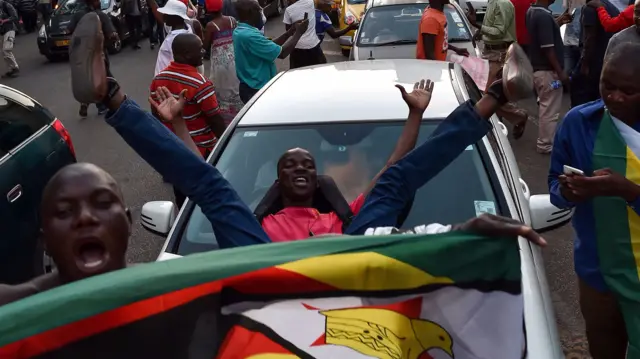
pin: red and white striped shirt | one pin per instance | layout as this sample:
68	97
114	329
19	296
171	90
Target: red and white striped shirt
201	101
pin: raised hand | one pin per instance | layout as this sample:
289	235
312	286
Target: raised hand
497	226
168	107
419	98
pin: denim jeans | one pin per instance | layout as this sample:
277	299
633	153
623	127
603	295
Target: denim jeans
232	221
397	186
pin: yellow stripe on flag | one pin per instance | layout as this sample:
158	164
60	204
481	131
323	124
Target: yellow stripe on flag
363	271
633	174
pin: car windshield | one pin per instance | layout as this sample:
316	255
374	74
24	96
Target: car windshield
397	24
352	154
68	7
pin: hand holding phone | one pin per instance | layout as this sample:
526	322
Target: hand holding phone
568	170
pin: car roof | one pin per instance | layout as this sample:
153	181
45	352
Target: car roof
351	91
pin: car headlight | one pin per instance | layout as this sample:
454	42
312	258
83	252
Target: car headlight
349	18
42	32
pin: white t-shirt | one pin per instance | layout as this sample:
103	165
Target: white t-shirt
295	12
165	54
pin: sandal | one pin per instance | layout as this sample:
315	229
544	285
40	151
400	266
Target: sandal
518	129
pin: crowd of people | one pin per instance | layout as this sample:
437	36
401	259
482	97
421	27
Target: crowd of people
594	64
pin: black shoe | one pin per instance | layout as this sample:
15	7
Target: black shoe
83	111
11	73
136	47
153	46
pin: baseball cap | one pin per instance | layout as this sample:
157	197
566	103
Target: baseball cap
174	7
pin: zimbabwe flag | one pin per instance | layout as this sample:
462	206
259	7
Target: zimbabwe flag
618	225
450	295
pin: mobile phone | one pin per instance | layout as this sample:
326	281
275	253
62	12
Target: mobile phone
573	12
568	170
306	15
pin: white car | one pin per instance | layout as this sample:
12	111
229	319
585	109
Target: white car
389	30
349	116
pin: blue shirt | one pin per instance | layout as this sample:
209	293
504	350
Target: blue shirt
573	146
255	56
323	23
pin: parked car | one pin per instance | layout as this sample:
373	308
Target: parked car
349	11
351	130
34	145
389	30
54	36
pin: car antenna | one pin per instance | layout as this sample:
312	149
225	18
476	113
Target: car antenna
370	55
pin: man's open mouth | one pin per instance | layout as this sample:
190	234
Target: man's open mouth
300	181
91	255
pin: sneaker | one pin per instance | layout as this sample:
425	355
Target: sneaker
83	111
86	57
517	74
11	73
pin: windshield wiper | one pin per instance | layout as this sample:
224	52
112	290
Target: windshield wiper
459	39
397	42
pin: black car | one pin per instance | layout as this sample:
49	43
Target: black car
34	145
53	37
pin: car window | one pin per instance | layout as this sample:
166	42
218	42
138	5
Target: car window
17	123
352	154
354	2
394	24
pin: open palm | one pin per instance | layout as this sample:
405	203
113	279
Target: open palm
419	98
168	107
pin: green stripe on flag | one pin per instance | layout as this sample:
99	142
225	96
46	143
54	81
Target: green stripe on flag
464	258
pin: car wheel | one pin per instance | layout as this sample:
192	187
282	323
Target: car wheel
115	46
346	52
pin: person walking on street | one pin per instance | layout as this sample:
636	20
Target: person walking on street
8	20
27	11
132	11
433	41
202	112
498	32
156	28
307	51
602	139
255	54
546	53
218	38
45	9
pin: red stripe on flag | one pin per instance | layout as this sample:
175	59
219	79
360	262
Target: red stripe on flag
243	343
58	337
275	280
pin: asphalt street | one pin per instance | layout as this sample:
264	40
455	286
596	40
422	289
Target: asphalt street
96	142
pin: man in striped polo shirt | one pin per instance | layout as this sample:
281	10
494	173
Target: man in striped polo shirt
201	111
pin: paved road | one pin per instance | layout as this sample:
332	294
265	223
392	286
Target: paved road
97	143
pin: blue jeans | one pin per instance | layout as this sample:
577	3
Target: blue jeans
232	221
397	186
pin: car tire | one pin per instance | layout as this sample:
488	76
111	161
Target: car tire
346	53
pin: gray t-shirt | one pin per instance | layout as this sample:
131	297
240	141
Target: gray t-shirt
544	32
629	34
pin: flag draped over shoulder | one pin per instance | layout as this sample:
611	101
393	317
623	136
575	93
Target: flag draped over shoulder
450	295
618	229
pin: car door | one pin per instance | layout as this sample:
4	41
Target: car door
24	173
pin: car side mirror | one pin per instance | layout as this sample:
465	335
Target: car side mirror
158	216
545	216
345	41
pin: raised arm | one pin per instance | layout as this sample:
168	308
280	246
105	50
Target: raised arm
418	101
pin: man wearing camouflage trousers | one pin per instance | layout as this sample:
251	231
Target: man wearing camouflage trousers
8	20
